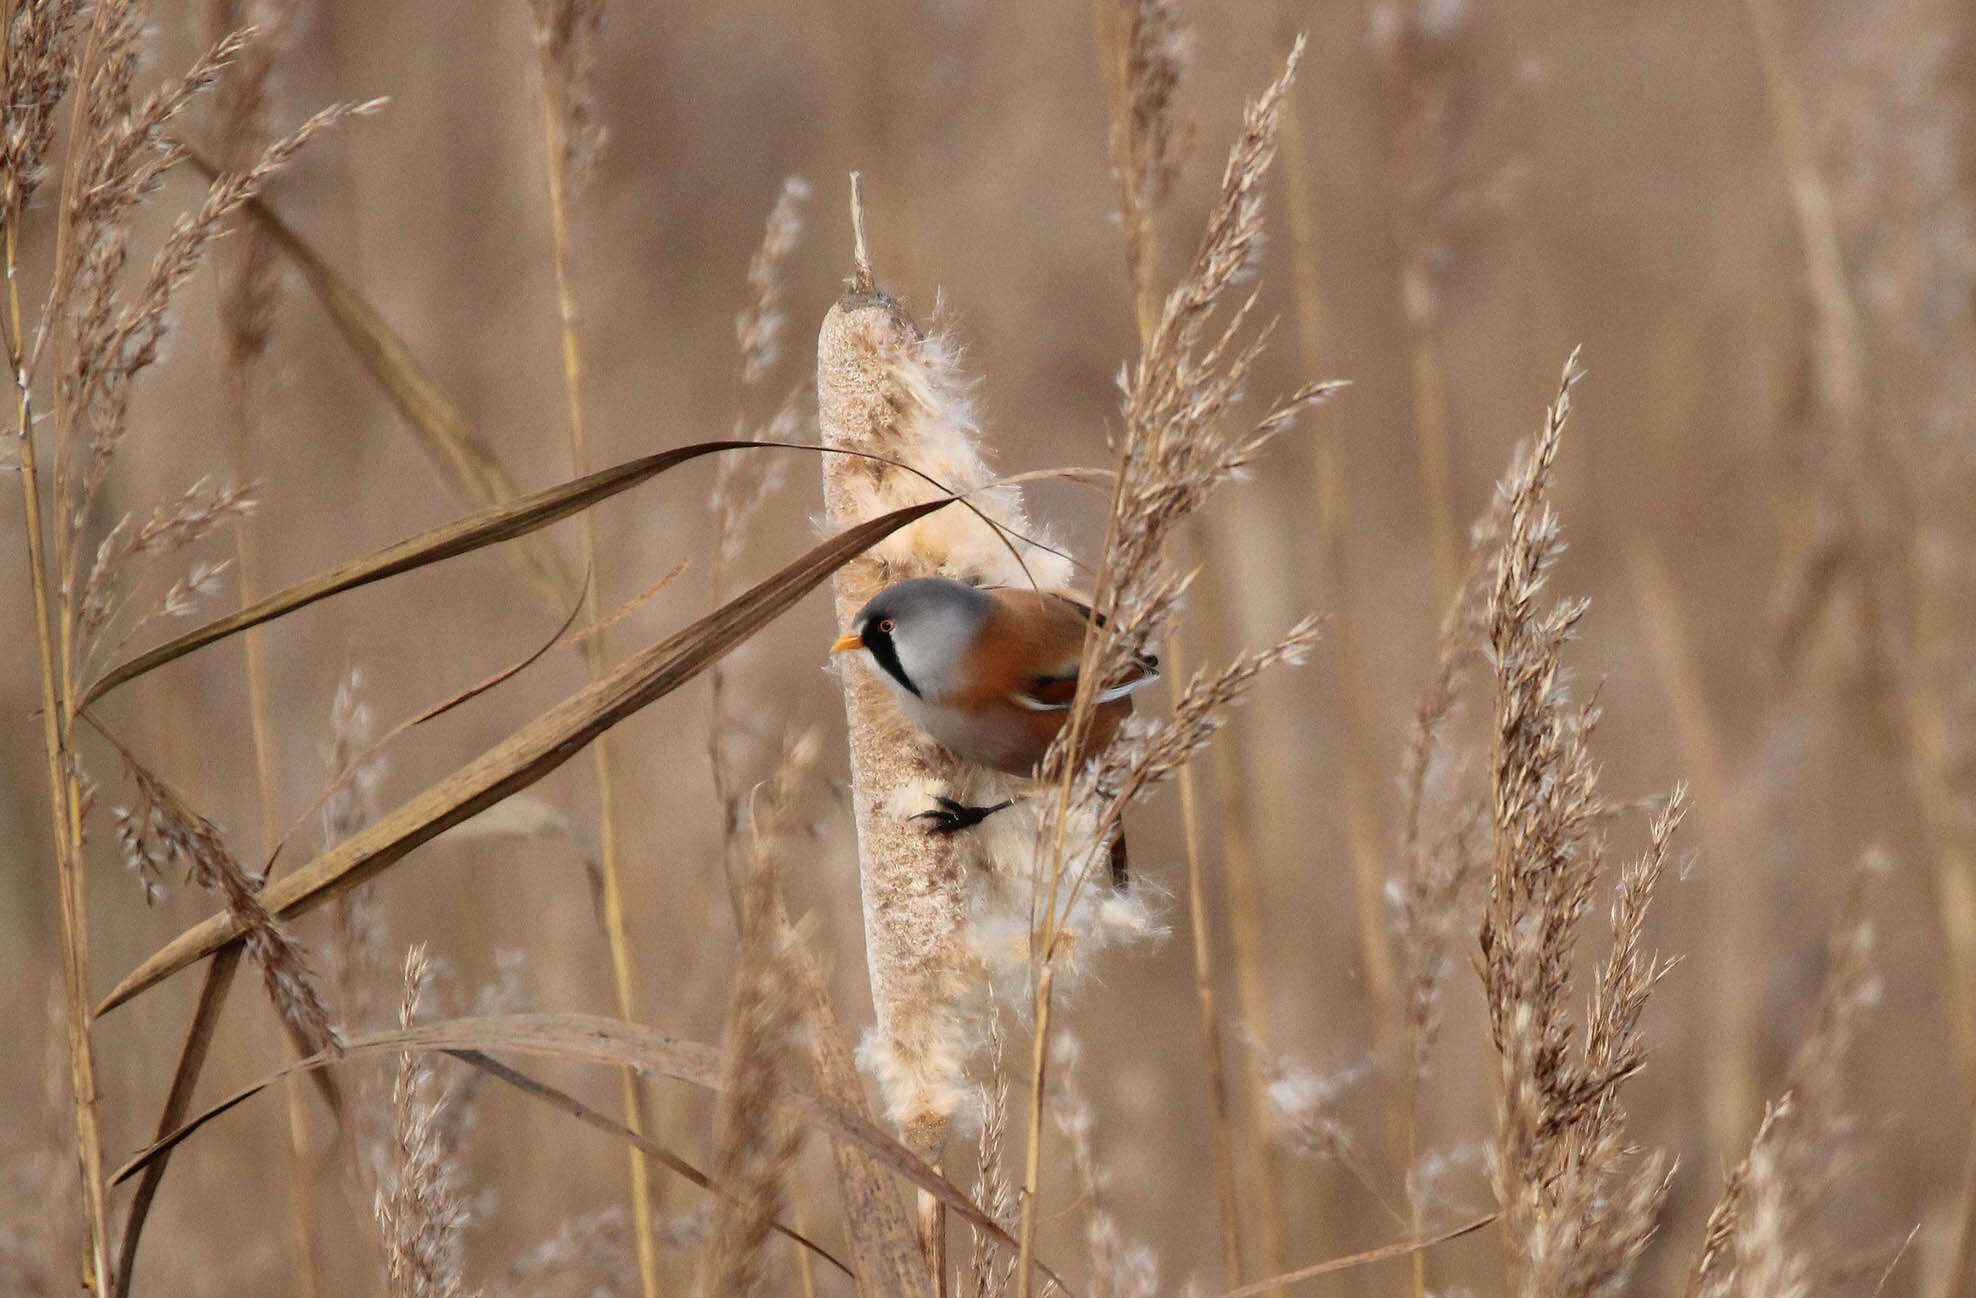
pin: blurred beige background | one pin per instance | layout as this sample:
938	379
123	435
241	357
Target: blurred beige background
1606	174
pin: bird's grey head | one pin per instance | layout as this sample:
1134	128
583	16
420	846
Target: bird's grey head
918	631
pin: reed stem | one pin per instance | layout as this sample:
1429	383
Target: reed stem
597	656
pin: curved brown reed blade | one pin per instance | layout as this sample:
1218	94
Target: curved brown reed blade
590	1038
191	1059
531	752
1357	1260
577	1036
589	1117
441	429
483	527
587	1038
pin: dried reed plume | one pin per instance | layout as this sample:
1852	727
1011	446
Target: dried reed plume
992	1268
356	932
159	831
1144	50
589	1254
420	1207
757	1141
567	33
1578	1203
1177	445
1441	824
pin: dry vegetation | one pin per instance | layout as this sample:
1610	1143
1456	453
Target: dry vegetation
1504	918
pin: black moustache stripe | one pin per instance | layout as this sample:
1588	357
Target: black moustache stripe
887	655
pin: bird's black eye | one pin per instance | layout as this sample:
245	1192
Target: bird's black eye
887	627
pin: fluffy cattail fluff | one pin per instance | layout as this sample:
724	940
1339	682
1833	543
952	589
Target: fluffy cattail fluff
885	388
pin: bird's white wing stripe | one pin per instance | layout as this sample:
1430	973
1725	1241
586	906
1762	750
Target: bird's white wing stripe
1025	700
1120	691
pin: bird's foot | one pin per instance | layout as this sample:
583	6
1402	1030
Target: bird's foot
951	817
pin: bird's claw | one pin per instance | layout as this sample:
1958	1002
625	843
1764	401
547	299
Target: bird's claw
951	817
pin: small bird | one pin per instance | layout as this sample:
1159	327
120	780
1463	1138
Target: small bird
991	672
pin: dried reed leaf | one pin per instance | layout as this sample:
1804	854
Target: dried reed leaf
1356	1260
590	1117
531	752
442	430
191	1060
483	527
590	1038
584	1037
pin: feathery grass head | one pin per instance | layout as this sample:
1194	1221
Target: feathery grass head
420	1207
1178	443
160	831
758	1141
1578	1201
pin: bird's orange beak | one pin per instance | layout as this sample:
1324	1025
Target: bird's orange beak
851	641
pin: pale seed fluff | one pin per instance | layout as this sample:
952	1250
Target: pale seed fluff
941	430
946	919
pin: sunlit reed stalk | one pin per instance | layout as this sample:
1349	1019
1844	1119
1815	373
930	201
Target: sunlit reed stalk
565	38
247	303
1171	453
40	62
1140	45
66	820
